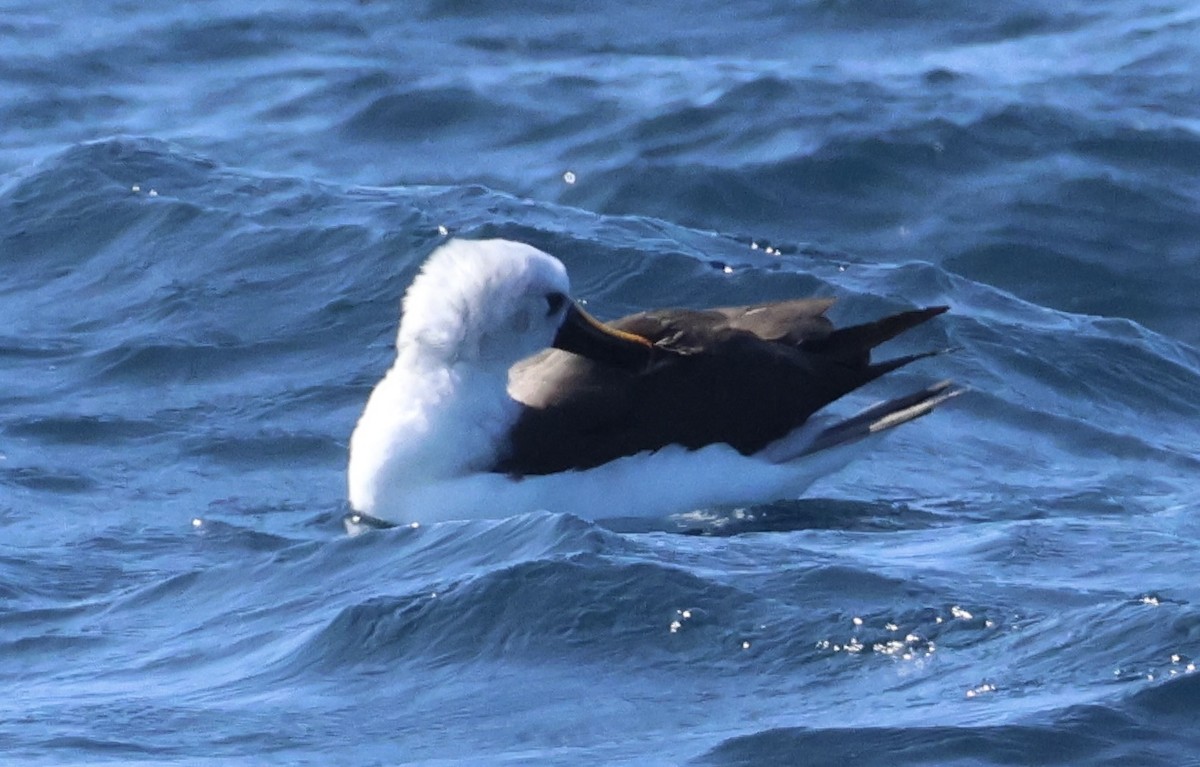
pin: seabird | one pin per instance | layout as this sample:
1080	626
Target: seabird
507	397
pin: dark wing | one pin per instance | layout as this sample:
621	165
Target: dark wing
745	376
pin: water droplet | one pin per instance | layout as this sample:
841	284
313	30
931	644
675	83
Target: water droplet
569	177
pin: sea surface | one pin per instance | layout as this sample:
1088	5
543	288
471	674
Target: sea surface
209	213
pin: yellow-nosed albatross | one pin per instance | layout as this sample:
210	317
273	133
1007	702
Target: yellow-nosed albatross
660	412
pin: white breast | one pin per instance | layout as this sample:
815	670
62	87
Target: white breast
422	427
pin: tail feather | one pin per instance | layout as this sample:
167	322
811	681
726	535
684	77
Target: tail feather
882	417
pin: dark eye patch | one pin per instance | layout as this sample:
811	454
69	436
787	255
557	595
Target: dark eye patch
554	303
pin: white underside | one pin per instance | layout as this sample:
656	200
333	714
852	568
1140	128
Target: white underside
648	485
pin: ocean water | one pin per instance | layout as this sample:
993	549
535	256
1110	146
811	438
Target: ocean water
209	212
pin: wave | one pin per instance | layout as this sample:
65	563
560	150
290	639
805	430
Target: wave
225	274
1150	727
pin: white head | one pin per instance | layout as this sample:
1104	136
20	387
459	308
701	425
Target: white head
486	303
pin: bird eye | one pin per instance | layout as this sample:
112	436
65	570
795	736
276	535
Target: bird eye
554	303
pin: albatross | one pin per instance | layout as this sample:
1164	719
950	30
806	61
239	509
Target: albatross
507	397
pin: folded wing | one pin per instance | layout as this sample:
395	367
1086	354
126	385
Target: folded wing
745	376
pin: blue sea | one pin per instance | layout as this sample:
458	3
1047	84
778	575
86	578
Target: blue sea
209	213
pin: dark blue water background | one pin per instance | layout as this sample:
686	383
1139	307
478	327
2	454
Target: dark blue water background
209	211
